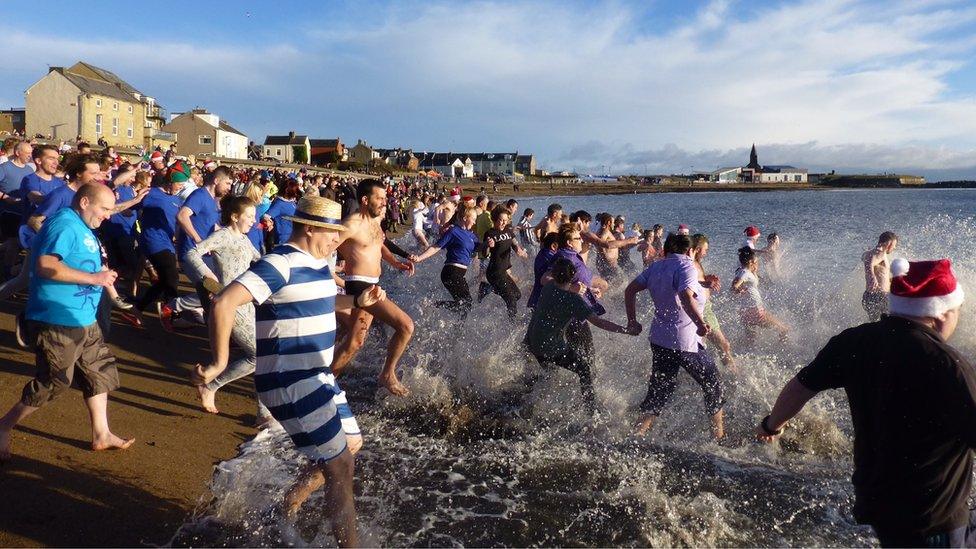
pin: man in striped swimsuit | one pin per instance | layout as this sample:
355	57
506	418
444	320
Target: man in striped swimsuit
295	297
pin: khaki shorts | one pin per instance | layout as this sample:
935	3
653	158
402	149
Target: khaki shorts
60	351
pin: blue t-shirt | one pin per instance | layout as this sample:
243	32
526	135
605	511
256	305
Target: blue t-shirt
56	200
460	244
10	178
256	236
158	221
280	208
122	223
205	217
33	183
66	236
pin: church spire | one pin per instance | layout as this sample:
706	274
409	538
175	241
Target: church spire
754	159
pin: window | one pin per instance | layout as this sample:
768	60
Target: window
205	140
130	109
98	103
115	126
115	106
128	131
278	152
98	124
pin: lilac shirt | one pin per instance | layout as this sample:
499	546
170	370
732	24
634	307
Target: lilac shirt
672	328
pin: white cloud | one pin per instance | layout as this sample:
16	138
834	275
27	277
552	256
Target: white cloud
865	81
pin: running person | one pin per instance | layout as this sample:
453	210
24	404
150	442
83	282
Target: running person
296	296
559	305
461	244
499	242
752	312
699	249
877	275
361	245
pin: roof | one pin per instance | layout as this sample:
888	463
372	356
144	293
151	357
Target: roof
97	87
285	139
729	169
440	159
110	77
332	143
228	128
783	168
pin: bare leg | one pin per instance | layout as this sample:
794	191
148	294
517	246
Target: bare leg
644	424
718	338
337	476
718	425
357	328
102	436
773	322
388	313
7	424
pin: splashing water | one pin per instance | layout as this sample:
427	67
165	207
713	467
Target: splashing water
470	458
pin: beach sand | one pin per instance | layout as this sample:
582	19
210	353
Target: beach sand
56	491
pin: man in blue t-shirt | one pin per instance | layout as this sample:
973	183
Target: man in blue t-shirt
12	173
67	282
37	185
198	218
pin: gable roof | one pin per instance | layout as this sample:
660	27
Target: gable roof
97	87
228	128
107	76
285	139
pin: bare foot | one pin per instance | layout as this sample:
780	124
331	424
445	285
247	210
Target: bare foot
207	399
112	442
393	385
644	424
4	446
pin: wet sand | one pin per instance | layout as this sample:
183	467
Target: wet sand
56	491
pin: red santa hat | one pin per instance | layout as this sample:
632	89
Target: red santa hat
156	155
751	231
924	288
209	163
683	229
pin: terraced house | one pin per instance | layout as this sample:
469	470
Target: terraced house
94	103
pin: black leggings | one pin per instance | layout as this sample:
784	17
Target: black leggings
504	286
453	279
169	276
580	366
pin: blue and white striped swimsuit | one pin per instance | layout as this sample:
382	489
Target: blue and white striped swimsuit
295	327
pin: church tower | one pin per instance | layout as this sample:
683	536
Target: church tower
754	159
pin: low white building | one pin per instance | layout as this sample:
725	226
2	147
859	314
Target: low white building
447	164
726	175
782	174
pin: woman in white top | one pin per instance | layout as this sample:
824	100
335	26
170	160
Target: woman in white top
420	212
752	312
233	254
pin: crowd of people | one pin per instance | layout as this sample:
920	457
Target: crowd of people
287	267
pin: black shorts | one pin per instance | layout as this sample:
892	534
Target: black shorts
123	252
9	224
356	287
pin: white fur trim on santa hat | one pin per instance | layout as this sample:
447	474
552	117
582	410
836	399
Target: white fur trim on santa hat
925	307
899	267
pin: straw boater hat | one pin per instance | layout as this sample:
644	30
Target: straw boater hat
318	211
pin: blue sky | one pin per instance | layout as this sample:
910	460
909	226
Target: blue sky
656	86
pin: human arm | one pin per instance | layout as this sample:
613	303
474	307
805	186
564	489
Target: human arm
52	268
429	252
186	225
607	244
630	302
392	246
194	256
223	311
690	306
609	326
388	256
871	260
123	206
790	401
370	297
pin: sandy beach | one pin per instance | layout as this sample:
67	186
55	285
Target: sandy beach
56	491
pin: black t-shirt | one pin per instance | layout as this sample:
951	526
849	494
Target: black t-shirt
913	406
499	257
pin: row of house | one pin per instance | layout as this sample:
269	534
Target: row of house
294	148
448	164
94	104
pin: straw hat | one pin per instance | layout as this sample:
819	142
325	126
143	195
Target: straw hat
318	211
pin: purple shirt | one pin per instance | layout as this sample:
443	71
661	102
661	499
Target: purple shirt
672	328
584	276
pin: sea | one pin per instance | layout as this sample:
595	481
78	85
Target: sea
470	458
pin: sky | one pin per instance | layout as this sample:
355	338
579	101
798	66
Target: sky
621	87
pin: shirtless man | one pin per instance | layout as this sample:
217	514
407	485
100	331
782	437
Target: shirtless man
362	248
607	258
582	220
877	276
550	223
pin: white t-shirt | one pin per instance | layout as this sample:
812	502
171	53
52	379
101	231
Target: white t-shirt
749	298
419	218
749	243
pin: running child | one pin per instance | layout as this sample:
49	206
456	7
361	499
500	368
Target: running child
752	312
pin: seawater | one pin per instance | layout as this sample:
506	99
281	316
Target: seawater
470	459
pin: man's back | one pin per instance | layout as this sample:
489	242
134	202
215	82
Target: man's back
913	404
